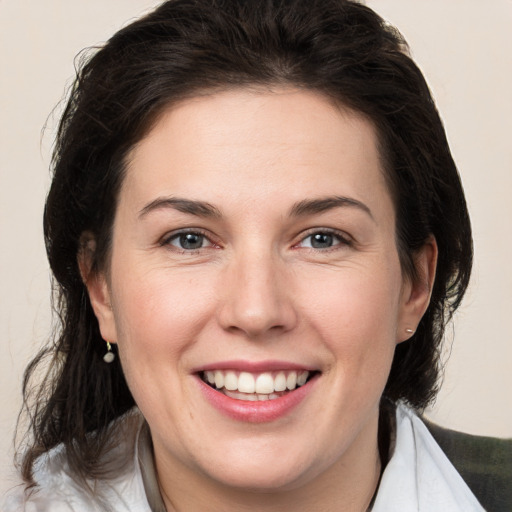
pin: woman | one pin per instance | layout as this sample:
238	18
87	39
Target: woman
259	235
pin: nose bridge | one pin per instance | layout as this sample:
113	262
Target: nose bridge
256	299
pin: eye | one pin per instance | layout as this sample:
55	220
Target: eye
323	240
188	241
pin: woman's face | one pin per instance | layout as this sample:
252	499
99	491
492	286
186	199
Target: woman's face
254	246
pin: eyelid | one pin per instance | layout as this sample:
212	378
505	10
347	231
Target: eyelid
345	238
166	239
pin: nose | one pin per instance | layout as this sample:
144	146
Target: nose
257	297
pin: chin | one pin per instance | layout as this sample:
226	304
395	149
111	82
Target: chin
262	479
270	469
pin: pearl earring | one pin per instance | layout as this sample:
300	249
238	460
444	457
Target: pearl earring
109	356
409	331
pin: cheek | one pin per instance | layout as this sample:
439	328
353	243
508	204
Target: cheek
356	314
158	314
158	319
354	298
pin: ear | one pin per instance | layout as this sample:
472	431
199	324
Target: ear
416	293
97	287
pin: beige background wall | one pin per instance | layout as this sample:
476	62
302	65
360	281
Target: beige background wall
464	48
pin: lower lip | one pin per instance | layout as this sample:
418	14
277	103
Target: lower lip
262	411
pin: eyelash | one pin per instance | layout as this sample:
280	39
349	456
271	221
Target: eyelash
342	240
168	239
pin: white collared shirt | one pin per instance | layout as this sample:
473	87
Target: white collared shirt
419	477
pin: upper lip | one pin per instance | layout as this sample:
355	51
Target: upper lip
254	366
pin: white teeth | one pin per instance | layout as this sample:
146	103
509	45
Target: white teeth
219	379
280	382
246	383
291	381
263	386
231	381
251	397
302	378
264	383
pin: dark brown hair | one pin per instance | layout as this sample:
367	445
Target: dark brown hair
339	48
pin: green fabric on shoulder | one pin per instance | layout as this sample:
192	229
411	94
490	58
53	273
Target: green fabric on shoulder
485	464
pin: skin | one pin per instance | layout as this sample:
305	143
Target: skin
256	290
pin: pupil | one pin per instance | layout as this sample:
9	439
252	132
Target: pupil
191	241
321	240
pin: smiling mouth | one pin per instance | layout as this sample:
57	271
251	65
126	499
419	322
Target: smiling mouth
256	386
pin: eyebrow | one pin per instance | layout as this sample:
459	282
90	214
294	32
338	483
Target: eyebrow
192	207
313	206
300	209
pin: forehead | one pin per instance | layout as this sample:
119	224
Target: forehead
256	145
